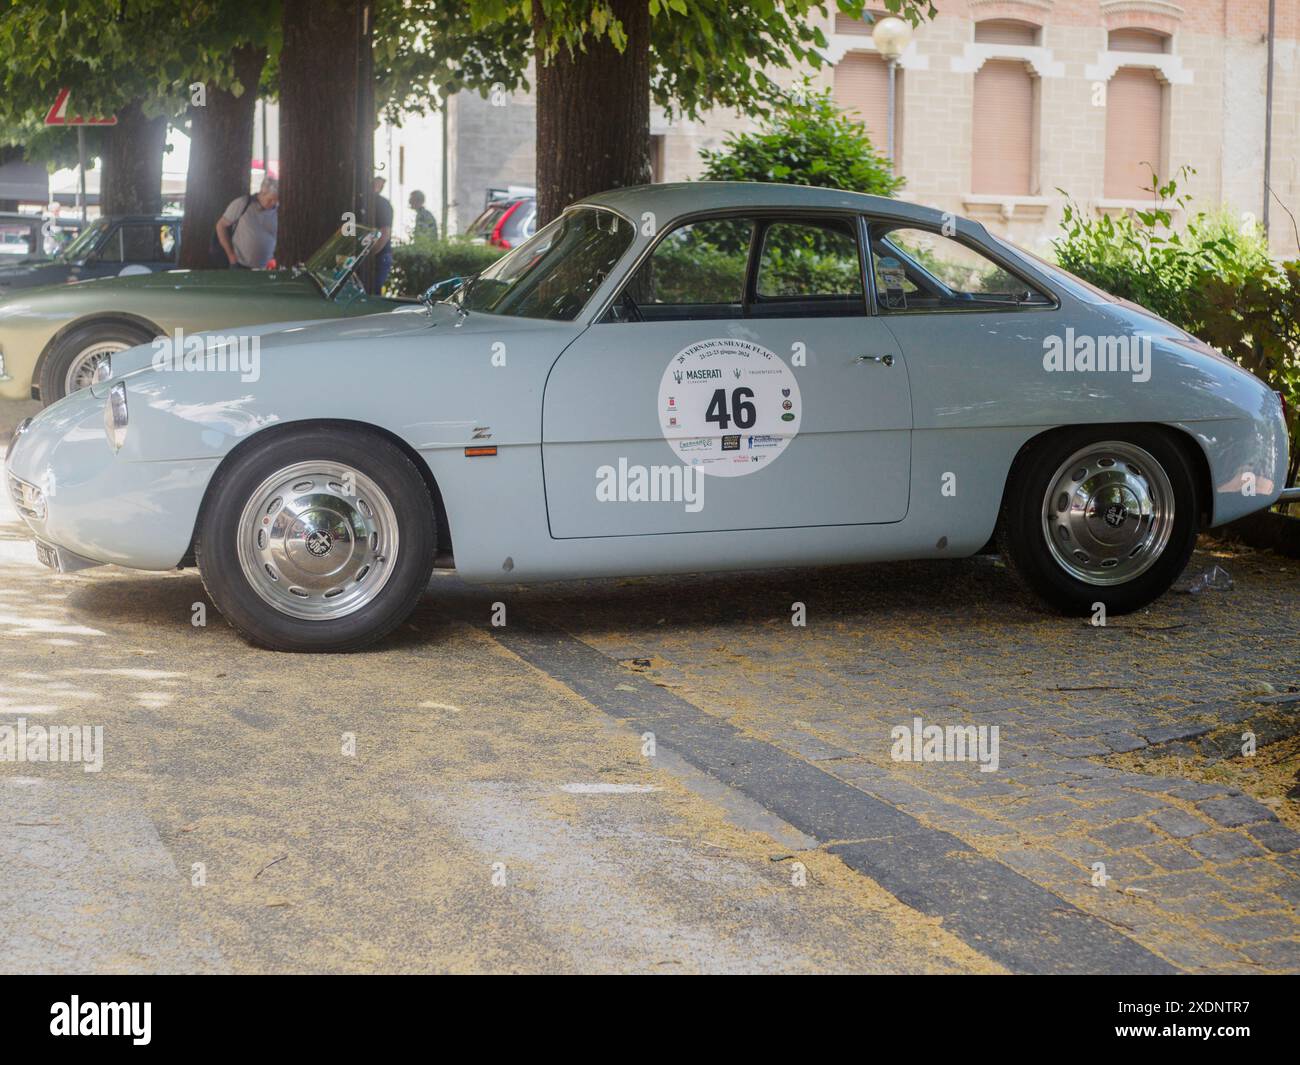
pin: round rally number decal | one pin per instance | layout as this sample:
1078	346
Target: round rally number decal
728	406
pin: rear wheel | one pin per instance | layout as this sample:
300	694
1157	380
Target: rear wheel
1106	514
72	362
317	540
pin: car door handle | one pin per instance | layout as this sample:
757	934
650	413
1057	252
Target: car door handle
888	360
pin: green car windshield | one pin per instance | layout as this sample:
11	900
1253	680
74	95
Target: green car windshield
555	272
335	260
84	243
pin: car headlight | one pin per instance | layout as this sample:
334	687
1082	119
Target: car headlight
103	369
115	416
19	429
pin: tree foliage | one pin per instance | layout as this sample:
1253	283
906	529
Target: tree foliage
809	141
111	54
703	53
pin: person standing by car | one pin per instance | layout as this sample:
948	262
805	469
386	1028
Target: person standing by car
383	252
247	229
425	225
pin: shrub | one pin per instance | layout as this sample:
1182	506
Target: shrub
423	262
1213	279
809	142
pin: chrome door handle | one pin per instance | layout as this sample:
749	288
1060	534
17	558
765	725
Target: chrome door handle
888	360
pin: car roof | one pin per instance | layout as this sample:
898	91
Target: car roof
674	199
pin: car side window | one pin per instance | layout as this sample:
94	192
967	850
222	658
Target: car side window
697	271
919	271
142	243
110	248
809	269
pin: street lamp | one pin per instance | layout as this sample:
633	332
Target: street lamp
891	36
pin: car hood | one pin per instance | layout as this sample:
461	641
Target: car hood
216	281
278	337
32	272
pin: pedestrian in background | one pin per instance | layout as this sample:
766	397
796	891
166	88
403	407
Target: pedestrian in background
383	252
245	232
425	226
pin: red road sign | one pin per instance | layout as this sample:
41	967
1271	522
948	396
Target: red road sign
58	114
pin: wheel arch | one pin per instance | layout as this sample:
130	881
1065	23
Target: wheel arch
441	520
1182	439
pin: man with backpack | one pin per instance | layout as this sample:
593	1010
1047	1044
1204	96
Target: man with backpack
244	237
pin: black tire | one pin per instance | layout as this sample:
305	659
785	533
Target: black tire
65	351
217	544
1023	542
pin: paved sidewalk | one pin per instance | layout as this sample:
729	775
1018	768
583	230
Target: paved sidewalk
1199	873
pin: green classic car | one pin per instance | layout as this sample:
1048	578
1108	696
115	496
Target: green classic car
56	339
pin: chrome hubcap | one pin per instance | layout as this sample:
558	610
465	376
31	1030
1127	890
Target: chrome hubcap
318	540
81	374
1108	513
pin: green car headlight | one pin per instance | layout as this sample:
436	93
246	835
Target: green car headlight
116	417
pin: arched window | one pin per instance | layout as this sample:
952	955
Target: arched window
861	86
1135	107
862	91
1002	130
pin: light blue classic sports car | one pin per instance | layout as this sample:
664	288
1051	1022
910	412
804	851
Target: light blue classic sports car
665	379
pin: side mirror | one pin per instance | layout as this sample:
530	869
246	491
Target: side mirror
441	290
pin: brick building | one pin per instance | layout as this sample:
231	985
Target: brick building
1002	102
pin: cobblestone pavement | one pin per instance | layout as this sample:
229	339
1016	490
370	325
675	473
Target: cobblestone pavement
1201	874
228	756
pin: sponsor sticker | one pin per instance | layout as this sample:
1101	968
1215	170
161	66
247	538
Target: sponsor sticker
728	406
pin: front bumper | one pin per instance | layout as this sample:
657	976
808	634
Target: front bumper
87	505
60	559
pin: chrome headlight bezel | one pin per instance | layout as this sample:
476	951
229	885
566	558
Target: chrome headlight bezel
116	416
103	369
19	429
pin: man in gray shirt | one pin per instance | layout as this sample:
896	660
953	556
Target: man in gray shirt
246	230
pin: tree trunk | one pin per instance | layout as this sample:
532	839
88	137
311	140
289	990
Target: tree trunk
221	156
593	113
133	154
318	123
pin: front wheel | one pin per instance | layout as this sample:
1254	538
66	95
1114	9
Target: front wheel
75	359
1100	515
317	540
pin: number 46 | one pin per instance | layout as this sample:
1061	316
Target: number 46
742	411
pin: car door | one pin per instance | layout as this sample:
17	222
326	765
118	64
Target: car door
974	331
737	381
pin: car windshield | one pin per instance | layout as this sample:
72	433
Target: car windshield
338	257
554	273
85	242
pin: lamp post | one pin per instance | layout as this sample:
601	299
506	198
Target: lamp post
891	36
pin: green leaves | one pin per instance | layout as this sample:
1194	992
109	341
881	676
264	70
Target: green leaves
704	53
109	54
1214	278
809	141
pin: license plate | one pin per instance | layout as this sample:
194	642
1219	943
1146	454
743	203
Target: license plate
46	555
